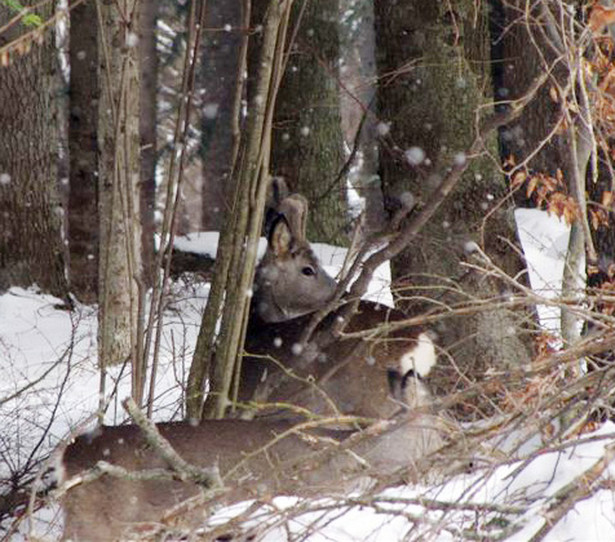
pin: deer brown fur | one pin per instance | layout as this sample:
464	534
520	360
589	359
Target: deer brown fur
330	375
251	465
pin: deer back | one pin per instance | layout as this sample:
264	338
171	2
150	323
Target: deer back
109	506
251	455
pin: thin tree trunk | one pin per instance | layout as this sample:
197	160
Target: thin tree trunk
148	71
236	256
120	277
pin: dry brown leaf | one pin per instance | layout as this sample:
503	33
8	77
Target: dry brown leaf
531	185
518	179
600	17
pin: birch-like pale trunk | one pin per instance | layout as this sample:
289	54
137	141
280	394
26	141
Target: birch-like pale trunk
118	185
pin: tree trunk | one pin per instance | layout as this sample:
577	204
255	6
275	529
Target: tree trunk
148	72
433	74
236	257
120	229
523	50
219	77
30	212
532	42
360	126
83	153
307	142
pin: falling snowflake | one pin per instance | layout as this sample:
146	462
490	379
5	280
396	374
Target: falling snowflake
132	39
210	110
415	155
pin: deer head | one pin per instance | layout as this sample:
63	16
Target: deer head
290	281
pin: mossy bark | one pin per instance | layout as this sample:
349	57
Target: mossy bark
434	77
307	148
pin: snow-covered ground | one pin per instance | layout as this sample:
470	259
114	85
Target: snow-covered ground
45	350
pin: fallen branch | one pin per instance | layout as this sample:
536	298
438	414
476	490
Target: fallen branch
209	478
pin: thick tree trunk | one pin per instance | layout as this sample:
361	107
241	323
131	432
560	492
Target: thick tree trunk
433	69
120	228
523	50
83	153
532	41
30	212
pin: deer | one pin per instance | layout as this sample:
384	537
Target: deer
255	459
328	375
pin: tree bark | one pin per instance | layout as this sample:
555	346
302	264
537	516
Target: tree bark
533	41
524	53
31	248
219	76
148	72
433	74
359	123
83	153
307	145
120	270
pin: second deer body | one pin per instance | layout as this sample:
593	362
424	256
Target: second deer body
255	458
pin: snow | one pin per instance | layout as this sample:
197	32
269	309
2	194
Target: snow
545	241
415	155
383	128
46	347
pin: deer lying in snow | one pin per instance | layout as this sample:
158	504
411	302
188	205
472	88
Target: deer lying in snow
254	458
369	377
290	285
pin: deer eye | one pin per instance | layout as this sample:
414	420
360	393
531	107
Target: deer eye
308	271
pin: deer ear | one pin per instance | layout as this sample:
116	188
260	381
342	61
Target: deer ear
280	237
